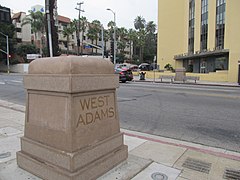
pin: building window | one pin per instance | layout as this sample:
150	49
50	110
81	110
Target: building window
204	25
220	23
191	26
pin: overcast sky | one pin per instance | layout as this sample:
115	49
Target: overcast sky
126	10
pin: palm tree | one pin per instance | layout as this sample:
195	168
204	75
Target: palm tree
151	27
67	31
150	41
94	31
122	38
132	37
84	24
139	24
111	26
106	37
91	33
38	24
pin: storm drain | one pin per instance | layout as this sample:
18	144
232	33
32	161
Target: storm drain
231	174
159	176
197	165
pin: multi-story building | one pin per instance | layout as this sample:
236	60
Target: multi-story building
23	33
87	47
202	36
5	15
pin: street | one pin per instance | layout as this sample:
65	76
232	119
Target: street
206	115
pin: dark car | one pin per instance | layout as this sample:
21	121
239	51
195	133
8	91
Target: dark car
124	74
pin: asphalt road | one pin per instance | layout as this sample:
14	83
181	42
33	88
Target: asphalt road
201	114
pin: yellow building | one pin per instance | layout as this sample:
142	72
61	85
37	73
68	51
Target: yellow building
203	36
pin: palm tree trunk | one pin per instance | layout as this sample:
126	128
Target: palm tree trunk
92	46
96	45
67	45
130	51
82	43
40	45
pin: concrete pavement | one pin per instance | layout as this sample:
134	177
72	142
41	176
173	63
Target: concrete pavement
192	82
150	157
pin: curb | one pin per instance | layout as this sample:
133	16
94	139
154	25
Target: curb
187	83
191	146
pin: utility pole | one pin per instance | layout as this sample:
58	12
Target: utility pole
49	28
78	33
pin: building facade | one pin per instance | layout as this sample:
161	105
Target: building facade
200	35
23	33
5	15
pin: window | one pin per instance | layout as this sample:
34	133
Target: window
204	24
220	23
191	25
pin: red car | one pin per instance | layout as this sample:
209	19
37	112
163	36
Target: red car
124	74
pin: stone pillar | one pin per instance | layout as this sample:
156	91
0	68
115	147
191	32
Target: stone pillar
72	125
180	74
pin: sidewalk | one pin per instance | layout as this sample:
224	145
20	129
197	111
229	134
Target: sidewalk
189	82
150	157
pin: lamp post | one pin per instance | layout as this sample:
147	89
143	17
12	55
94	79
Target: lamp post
47	2
114	37
7	53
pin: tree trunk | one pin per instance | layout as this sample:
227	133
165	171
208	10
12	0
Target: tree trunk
40	44
130	51
82	43
96	45
67	45
92	46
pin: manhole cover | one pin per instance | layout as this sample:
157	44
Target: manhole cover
5	155
197	165
231	174
159	176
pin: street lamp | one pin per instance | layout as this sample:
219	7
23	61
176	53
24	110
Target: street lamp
114	37
7	53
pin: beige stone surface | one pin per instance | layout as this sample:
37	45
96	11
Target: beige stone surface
71	65
70	83
71	161
180	74
72	125
162	153
89	172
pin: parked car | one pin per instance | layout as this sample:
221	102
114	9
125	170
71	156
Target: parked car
144	67
124	74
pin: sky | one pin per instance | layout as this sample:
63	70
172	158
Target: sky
126	10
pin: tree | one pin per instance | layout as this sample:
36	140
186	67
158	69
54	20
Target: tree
67	31
94	31
24	49
38	25
151	50
139	24
9	30
122	38
132	39
84	24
